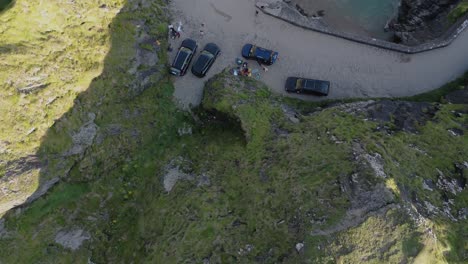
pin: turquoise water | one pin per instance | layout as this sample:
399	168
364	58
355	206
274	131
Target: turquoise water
367	17
371	15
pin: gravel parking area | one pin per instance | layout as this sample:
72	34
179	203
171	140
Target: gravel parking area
355	70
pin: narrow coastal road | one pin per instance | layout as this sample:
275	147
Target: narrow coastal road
355	70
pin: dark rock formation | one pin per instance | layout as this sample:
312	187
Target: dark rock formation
419	21
458	96
406	116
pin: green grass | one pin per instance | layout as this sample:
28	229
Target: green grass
269	185
437	95
264	190
459	11
64	195
34	51
387	238
149	120
43	219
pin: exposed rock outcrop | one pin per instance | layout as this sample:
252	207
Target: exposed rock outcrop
71	239
458	96
419	21
84	137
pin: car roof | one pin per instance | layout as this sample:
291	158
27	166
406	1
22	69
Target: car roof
322	86
263	53
316	85
182	56
212	48
201	62
189	43
308	83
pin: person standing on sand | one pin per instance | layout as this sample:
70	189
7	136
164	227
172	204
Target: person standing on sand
202	29
265	69
179	29
172	31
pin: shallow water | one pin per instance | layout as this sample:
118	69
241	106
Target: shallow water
358	16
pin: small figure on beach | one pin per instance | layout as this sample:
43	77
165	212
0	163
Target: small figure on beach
176	33
202	29
319	14
179	27
173	32
265	69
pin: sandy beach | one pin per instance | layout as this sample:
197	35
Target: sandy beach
355	70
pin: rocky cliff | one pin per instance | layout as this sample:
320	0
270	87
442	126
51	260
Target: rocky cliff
419	21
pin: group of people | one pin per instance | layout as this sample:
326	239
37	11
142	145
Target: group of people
244	70
173	32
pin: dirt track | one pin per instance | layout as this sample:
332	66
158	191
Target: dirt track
355	70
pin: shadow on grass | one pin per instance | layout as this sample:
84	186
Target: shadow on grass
5	5
118	115
12	48
122	109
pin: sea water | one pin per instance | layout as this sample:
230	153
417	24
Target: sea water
358	16
371	15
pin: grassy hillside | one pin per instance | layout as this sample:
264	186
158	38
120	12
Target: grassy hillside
49	53
247	178
316	168
459	11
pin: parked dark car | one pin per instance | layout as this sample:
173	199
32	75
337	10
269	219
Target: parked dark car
307	86
205	60
262	55
184	57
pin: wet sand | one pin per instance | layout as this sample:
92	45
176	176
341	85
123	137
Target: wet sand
355	70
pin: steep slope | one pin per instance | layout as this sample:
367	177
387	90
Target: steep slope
49	53
422	20
248	178
355	176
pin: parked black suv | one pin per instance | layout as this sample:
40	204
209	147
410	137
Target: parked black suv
205	60
265	56
184	57
307	86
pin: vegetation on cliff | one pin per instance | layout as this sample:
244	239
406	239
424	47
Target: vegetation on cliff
248	177
459	11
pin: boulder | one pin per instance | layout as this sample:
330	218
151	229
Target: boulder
419	21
